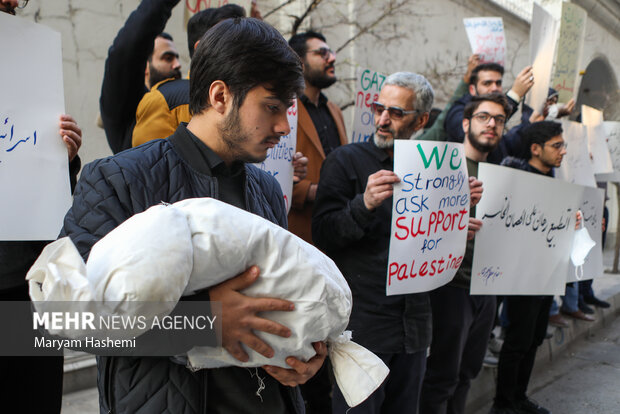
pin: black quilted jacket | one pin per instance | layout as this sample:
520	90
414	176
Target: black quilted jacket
110	191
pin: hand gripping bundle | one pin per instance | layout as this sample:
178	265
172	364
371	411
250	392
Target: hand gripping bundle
173	250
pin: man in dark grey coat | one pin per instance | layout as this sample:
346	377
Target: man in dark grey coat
244	77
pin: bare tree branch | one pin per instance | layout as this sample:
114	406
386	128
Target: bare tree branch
270	12
299	20
389	11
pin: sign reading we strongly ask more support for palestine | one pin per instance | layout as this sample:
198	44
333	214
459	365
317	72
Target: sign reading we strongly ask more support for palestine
430	214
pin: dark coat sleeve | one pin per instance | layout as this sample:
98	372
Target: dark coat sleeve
100	203
340	217
123	79
454	122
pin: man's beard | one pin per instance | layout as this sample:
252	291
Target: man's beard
318	78
156	76
233	135
387	143
486	148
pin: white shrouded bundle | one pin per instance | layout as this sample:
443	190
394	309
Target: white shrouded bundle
174	250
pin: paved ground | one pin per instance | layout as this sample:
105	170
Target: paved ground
585	379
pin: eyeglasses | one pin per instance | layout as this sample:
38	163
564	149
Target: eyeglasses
22	3
324	52
558	145
485	117
393	111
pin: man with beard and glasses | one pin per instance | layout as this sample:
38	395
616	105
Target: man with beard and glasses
351	223
140	57
487	78
244	78
320	130
462	323
320	124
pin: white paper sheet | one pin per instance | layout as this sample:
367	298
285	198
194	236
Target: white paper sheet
528	225
576	166
570	47
487	38
430	215
34	176
279	159
543	40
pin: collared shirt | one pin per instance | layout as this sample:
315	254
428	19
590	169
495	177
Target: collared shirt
230	180
323	122
358	240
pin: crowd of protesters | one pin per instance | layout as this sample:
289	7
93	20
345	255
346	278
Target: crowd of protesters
196	137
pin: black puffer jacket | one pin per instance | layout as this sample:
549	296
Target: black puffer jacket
110	191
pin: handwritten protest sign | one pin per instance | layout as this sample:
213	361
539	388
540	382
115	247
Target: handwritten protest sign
570	47
194	6
279	159
430	214
34	176
576	166
597	142
527	233
543	39
591	207
612	132
487	38
367	88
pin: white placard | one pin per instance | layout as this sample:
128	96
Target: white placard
34	173
367	87
543	39
597	143
570	47
279	159
527	233
430	215
576	166
486	38
612	132
591	207
591	116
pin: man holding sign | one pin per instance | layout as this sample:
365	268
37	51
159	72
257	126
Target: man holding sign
462	323
351	223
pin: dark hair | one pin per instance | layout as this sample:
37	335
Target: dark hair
539	133
477	100
298	42
489	66
244	53
202	21
163	35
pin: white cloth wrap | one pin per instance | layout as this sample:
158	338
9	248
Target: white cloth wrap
173	250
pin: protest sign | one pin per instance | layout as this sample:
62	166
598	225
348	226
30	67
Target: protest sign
430	214
612	132
279	159
487	38
34	174
528	223
543	39
570	47
576	166
591	207
194	6
367	87
597	142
